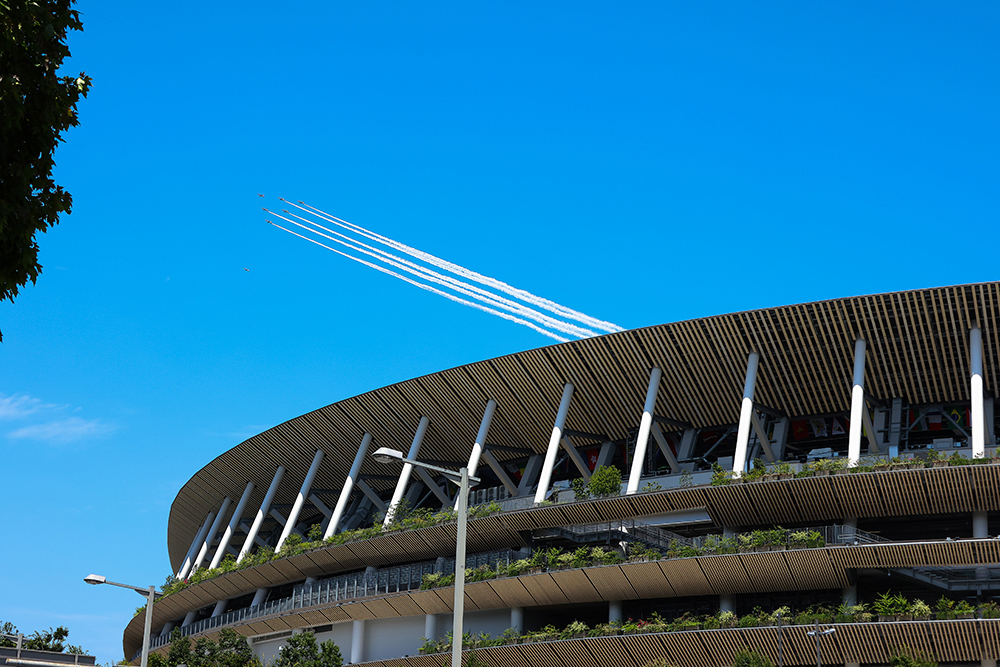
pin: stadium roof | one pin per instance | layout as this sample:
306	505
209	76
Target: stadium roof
918	349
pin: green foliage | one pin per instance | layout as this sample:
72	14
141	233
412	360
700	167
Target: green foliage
686	479
957	459
720	477
180	649
36	107
751	658
315	532
50	640
580	488
301	651
650	486
605	481
904	656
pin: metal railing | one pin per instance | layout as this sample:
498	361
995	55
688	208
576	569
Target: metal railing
344	587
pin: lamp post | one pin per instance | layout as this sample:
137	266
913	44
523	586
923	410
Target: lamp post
462	479
819	635
150	594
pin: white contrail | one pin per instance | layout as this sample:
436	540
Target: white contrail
478	293
462	271
446	295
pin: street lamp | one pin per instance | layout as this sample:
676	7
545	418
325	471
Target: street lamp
462	479
150	595
819	635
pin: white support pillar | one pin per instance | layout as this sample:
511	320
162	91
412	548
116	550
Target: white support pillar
293	515
545	477
480	445
500	472
517	618
345	493
259	597
357	641
574	456
234	522
265	507
978	426
404	476
431	626
198	539
212	532
642	439
857	404
220	608
668	453
168	628
746	409
189	618
726	602
614	611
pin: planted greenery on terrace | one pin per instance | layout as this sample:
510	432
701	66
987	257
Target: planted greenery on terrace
403	519
947	609
556	558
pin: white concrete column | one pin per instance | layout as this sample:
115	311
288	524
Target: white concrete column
614	611
259	597
404	476
293	515
345	493
168	628
265	507
642	440
980	524
212	532
189	618
545	477
857	404
198	539
357	641
234	522
726	602
431	626
517	618
978	426
220	608
743	431
484	430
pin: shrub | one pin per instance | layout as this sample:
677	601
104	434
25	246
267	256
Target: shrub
957	459
720	477
580	487
919	609
904	656
751	658
605	481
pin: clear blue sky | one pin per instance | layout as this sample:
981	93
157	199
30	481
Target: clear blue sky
643	165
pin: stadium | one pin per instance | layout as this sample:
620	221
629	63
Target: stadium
783	471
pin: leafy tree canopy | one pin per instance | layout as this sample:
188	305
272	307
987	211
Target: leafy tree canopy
232	650
302	651
36	107
50	640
